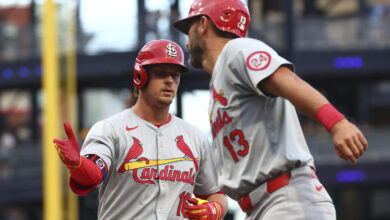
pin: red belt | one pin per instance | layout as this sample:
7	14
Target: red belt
272	185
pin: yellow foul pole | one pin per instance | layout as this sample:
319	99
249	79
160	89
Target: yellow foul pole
52	193
71	94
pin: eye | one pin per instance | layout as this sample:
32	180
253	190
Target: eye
159	73
176	74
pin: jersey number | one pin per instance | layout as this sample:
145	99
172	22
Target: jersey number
241	141
183	198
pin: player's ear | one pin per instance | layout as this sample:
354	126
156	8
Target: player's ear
204	24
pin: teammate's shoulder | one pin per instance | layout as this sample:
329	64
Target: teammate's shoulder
246	43
246	46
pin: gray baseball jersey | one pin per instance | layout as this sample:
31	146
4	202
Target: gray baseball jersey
257	137
151	170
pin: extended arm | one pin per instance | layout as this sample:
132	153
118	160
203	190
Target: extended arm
85	175
348	140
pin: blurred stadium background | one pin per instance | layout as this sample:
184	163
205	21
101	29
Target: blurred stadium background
341	47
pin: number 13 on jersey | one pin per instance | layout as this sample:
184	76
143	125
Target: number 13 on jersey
243	144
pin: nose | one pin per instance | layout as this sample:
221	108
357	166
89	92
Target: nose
169	79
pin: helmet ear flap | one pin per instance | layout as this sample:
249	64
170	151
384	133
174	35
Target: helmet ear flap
140	76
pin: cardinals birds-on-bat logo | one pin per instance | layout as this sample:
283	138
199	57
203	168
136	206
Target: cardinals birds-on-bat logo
219	96
186	150
133	153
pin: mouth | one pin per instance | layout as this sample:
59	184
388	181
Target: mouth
167	92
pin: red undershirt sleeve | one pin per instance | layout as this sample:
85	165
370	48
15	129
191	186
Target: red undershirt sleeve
87	177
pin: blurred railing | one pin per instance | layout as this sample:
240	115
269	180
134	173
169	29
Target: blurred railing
23	178
345	33
326	34
310	34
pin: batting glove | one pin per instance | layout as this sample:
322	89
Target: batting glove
203	209
69	149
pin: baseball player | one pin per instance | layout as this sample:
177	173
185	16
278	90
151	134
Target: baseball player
267	166
147	162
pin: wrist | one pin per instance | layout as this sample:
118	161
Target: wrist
328	116
77	166
219	209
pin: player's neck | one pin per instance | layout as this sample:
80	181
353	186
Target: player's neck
214	49
152	114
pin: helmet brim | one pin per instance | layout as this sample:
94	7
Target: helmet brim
183	25
182	68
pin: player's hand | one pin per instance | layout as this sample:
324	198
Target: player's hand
69	149
203	209
348	141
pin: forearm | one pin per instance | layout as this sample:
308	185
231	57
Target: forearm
306	99
219	197
348	140
87	174
288	85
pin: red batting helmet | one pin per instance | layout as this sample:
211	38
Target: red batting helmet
156	52
228	15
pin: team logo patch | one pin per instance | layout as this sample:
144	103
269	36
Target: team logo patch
258	60
171	50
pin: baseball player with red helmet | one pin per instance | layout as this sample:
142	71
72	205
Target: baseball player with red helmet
148	163
266	164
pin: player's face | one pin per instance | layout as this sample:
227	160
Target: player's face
163	84
195	46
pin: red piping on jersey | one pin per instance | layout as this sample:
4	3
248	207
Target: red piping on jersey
169	119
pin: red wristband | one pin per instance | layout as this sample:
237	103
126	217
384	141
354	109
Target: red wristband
328	116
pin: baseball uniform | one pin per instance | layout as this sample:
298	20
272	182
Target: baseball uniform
151	169
258	137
